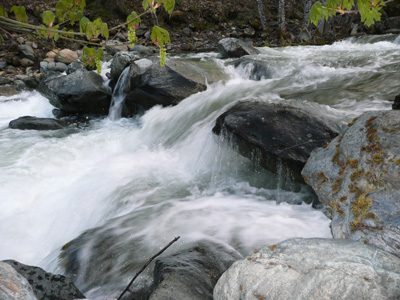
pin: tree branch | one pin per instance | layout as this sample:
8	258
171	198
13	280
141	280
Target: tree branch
148	262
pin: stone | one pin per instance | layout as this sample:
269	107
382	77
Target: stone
3	65
27	52
26	62
232	47
67	56
13	286
143	50
5	80
186	31
81	92
120	61
275	134
20	40
45	285
356	178
75	65
322	269
61	67
20	85
150	85
396	103
16	61
115	46
31	82
192	273
52	54
250	68
33	123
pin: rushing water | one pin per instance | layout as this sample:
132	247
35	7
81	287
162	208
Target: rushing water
140	182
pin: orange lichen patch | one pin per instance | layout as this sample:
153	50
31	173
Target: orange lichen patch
361	206
272	264
340	212
272	247
355	189
343	198
322	177
255	250
377	159
260	298
356	175
354	164
240	288
336	185
249	258
398	162
366	279
352	122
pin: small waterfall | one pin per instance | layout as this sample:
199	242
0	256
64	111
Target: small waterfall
118	96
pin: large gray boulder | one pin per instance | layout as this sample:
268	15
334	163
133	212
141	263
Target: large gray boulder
356	177
192	273
120	61
231	47
275	134
46	286
150	84
13	286
313	269
33	123
81	92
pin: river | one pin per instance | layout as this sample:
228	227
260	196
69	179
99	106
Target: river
140	182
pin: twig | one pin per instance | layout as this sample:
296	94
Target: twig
144	267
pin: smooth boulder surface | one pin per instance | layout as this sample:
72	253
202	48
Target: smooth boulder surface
274	134
150	84
233	48
45	285
192	273
33	123
313	269
357	179
120	61
81	92
13	286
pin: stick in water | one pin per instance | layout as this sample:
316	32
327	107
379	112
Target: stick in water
144	267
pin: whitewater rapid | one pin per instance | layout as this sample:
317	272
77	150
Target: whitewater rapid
164	173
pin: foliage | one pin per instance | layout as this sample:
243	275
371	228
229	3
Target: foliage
90	32
368	9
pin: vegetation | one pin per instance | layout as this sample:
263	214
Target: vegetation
68	13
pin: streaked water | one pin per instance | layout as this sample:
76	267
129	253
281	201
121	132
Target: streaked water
140	182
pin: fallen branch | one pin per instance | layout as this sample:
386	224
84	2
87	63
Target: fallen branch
144	267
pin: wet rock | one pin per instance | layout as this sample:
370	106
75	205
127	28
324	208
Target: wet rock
231	47
27	52
120	61
3	65
117	46
81	92
75	65
356	177
4	80
60	67
143	50
20	85
31	82
253	69
13	286
192	273
275	133
150	85
33	123
26	62
67	56
313	269
396	103
47	286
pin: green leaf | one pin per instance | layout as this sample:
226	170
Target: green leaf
104	30
160	36
90	30
316	13
20	13
3	13
83	24
168	5
60	9
99	53
146	4
133	19
81	5
48	17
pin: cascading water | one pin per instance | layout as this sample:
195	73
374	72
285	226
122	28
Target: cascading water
134	184
118	96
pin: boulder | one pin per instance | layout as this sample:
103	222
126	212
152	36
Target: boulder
81	92
396	103
150	84
13	286
356	177
232	47
275	134
115	46
27	52
143	50
192	273
120	61
33	123
319	269
75	65
250	68
67	56
5	80
47	286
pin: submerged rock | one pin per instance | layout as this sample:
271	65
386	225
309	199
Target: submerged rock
231	47
274	134
396	103
81	92
192	273
253	69
13	286
45	285
150	84
33	123
357	180
320	269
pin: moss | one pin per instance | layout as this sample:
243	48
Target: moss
356	175
272	247
323	178
377	159
343	198
336	185
354	164
355	189
361	207
398	162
